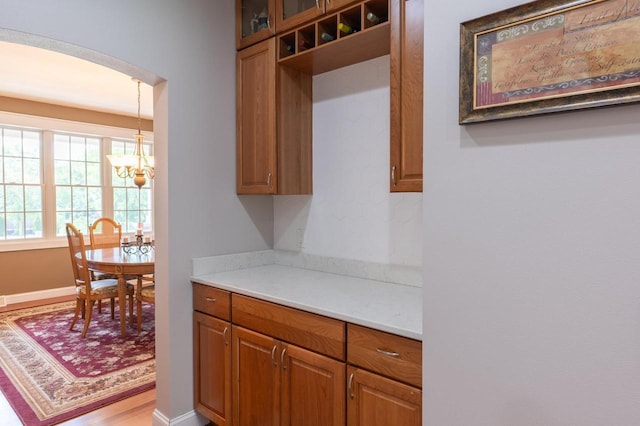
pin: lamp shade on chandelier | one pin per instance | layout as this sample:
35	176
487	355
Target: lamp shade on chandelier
138	166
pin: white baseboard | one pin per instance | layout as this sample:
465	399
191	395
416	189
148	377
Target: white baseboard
190	418
10	299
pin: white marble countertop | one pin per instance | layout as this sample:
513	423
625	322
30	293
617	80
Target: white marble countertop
394	308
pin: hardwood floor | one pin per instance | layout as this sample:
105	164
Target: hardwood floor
134	411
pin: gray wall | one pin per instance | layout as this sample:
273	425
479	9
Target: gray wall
531	254
191	47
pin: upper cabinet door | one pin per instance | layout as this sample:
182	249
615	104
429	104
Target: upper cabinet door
256	121
406	95
291	13
254	21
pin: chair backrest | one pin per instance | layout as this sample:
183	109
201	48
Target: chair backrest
105	233
78	263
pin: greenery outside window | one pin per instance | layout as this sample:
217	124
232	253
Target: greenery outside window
21	207
51	177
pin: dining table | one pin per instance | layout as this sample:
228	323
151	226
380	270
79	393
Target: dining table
122	264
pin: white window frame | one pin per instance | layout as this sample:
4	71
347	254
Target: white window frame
47	127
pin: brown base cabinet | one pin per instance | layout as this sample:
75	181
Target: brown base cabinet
257	363
280	384
377	401
212	363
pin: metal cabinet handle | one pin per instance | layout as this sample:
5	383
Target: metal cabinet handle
273	355
393	176
350	387
387	353
317	5
269	180
210	299
224	336
269	22
284	351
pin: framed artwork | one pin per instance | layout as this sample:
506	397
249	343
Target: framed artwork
549	56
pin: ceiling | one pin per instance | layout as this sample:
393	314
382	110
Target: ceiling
46	76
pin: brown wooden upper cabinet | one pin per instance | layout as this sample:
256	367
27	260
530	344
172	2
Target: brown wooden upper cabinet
274	124
291	13
254	21
406	55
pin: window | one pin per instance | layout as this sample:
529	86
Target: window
77	170
20	184
131	206
51	177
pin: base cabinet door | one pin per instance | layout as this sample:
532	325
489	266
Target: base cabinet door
374	400
212	363
313	391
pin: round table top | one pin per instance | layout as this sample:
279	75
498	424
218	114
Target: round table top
116	255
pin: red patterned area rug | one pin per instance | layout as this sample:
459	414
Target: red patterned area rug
50	374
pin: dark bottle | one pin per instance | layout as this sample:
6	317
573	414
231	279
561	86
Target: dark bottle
304	44
373	18
326	36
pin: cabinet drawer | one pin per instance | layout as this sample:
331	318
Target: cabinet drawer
212	301
393	356
314	332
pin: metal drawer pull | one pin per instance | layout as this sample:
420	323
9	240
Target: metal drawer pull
393	176
350	386
284	351
210	299
387	353
224	336
273	355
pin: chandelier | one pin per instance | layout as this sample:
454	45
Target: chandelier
138	166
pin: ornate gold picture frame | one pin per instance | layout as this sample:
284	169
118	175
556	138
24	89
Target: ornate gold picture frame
549	56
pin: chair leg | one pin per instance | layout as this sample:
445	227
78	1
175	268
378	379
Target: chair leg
139	313
87	320
79	308
130	299
113	308
100	306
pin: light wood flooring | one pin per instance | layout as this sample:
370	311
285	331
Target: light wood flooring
134	411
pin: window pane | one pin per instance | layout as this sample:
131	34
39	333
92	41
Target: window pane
33	199
31	144
62	218
15	225
2	198
80	220
31	170
120	216
1	170
63	198
61	147
94	199
93	174
78	151
93	150
62	172
145	199
132	198
79	199
13	169
15	198
119	199
12	143
78	173
2	225
33	225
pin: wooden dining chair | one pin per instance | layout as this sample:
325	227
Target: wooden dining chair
105	233
88	290
144	293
